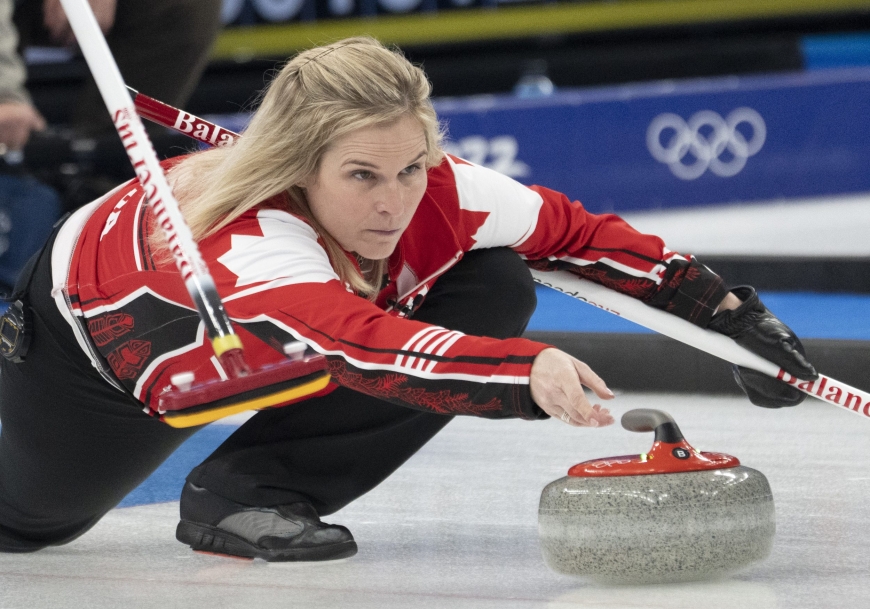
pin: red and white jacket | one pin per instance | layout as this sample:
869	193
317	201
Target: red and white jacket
132	314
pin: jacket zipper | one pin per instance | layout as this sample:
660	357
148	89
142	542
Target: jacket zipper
456	257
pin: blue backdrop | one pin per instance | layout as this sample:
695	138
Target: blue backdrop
715	140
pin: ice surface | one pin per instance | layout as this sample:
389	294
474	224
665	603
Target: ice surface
457	527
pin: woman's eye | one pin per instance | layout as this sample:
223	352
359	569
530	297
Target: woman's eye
411	169
362	175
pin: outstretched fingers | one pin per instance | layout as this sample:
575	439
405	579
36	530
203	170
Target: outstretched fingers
598	417
556	384
593	381
581	410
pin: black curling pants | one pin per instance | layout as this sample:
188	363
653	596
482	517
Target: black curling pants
71	446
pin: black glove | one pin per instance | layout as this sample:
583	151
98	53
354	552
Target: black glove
752	326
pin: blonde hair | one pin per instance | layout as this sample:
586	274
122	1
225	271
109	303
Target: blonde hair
320	95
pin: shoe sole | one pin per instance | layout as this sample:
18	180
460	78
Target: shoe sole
204	538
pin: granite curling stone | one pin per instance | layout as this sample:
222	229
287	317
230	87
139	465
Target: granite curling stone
672	515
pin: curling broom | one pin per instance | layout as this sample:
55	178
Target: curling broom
189	403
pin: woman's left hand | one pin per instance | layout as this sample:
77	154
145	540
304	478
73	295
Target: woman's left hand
743	317
556	383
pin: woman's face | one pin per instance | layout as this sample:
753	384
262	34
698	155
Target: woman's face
368	186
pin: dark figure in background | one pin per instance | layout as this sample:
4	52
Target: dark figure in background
27	206
162	48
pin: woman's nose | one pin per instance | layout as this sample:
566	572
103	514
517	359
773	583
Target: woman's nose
391	200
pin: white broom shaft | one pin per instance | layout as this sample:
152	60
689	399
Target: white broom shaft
193	269
121	107
825	388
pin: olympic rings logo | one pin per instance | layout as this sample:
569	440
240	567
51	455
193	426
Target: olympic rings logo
713	142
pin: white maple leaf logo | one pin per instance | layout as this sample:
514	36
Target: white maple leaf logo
286	253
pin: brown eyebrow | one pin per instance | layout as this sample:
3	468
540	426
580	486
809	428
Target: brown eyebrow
373	166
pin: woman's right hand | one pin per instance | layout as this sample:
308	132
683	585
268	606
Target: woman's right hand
556	383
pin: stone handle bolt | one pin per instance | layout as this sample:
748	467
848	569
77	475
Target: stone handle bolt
647	419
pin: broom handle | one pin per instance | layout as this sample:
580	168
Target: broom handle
824	388
194	272
181	121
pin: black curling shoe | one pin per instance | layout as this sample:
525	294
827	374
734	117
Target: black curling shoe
292	532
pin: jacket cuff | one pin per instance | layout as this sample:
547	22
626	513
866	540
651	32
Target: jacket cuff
691	291
448	397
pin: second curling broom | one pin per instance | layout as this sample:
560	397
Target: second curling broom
825	388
